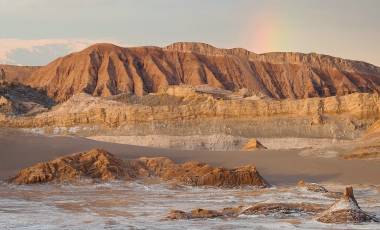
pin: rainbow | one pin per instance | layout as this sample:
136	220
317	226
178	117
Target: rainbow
266	33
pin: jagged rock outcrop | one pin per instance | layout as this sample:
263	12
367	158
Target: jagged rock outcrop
94	164
100	165
253	144
106	69
346	210
200	174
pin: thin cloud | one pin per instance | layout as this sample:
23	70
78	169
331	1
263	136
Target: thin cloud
10	45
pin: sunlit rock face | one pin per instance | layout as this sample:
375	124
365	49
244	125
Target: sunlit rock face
100	165
106	69
95	164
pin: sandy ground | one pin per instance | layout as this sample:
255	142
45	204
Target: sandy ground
279	167
219	142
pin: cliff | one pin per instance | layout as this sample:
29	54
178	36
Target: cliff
170	113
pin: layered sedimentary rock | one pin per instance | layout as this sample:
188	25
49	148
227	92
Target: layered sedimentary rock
157	114
106	69
346	210
100	165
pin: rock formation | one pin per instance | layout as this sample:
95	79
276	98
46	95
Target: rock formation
95	164
313	187
346	210
257	209
171	115
200	174
253	144
106	69
100	165
17	99
193	214
283	208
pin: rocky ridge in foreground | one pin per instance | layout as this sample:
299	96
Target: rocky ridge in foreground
99	165
345	211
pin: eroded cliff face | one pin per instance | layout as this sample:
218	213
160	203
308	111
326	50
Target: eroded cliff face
201	113
106	69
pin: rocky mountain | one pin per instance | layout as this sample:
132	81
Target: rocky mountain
106	69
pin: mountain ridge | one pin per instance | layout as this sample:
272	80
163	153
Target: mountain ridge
105	69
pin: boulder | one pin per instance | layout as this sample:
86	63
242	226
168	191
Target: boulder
346	210
253	144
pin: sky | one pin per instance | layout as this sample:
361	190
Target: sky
34	32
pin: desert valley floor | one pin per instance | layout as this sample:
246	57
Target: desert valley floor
143	204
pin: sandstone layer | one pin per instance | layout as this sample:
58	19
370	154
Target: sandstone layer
106	69
100	165
169	114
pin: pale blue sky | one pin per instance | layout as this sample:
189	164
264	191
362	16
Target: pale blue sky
36	31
